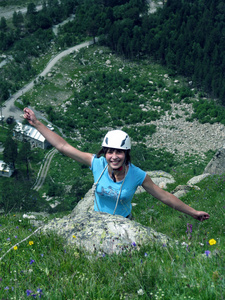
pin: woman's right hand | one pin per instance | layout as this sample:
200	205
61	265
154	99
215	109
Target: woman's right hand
30	116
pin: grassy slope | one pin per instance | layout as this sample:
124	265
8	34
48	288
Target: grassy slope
152	272
155	272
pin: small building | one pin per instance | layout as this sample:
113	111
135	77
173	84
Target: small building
30	134
5	170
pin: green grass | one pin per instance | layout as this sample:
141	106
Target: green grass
181	271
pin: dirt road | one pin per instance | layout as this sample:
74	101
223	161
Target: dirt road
10	109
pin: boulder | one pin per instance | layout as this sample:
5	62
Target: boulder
182	190
217	163
93	231
160	178
197	179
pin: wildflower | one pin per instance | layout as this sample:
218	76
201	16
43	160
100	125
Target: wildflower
6	288
8	239
146	254
29	292
184	244
39	291
207	252
164	245
42	255
15	236
74	236
31	243
212	242
32	261
15	247
140	292
189	229
134	244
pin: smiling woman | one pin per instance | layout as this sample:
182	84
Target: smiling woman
115	177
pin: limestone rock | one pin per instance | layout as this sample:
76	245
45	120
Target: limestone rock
182	190
160	178
217	163
103	233
197	179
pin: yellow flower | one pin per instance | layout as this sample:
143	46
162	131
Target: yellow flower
74	236
31	243
212	242
15	248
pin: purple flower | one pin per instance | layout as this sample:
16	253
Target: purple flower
29	292
39	291
146	254
7	288
189	228
134	244
32	261
207	252
164	245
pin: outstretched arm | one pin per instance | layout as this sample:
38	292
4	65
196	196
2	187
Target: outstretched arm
172	201
57	141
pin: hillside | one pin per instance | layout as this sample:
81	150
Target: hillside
174	127
172	124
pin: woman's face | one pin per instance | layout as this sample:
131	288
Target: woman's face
115	158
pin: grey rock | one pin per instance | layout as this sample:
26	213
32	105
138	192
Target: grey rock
182	190
197	179
93	231
217	163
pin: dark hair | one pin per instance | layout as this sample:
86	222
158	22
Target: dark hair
127	154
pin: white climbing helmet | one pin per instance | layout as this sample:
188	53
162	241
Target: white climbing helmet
117	139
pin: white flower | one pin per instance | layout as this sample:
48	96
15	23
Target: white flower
184	244
140	292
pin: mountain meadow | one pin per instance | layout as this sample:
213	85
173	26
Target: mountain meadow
97	88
